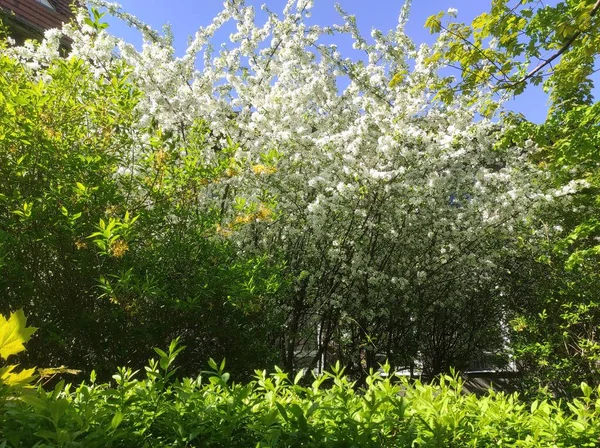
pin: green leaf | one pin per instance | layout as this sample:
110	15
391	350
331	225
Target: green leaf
58	409
116	420
282	411
434	23
160	352
299	414
212	364
34	401
586	389
299	376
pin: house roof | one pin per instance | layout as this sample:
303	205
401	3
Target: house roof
35	14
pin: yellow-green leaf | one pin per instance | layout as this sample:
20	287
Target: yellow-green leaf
398	78
51	371
19	379
14	333
434	23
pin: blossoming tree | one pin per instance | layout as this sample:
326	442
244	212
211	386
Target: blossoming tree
393	216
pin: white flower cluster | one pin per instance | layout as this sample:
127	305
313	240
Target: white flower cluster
389	201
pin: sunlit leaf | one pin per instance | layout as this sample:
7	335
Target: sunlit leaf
14	333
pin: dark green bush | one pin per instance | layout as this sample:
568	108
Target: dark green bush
108	235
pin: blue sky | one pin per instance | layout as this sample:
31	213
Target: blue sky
185	16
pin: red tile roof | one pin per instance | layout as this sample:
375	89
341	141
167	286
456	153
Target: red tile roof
36	15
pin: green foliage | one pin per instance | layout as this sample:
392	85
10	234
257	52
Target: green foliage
115	234
94	20
512	46
554	328
156	409
502	52
105	235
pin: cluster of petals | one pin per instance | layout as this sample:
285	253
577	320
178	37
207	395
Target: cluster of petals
381	194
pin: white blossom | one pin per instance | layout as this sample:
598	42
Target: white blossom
386	193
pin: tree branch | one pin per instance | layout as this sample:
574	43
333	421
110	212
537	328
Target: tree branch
562	49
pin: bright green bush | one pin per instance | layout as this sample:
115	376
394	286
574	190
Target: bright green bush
108	235
155	409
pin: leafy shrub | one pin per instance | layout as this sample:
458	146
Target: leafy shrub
108	234
156	409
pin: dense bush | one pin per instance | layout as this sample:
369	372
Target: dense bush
105	241
158	409
154	408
